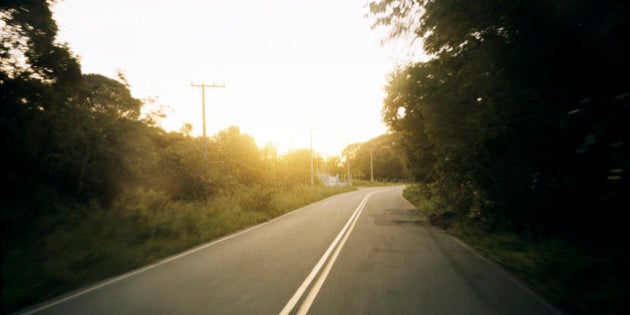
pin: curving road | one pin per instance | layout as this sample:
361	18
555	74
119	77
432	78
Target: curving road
363	252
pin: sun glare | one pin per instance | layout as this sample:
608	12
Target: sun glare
287	68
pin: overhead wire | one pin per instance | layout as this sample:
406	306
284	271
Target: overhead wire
122	53
101	40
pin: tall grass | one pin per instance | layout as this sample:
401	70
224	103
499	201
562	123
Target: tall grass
87	243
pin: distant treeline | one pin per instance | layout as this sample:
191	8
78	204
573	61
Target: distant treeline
381	159
521	118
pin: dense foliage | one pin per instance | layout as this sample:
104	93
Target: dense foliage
520	116
378	159
516	131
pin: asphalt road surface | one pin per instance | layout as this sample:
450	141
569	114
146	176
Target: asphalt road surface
363	252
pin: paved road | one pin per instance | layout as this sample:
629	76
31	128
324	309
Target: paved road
363	252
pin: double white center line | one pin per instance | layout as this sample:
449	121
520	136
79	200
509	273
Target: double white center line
334	249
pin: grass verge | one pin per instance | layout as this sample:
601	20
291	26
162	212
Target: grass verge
85	243
368	183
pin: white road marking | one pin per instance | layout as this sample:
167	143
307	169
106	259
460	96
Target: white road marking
308	301
342	236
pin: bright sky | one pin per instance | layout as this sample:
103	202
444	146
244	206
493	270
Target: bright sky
288	65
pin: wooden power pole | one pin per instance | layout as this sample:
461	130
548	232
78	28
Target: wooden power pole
203	110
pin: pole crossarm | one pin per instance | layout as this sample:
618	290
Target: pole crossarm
213	85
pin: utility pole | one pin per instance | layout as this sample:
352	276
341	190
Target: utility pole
203	110
349	176
371	166
312	175
348	162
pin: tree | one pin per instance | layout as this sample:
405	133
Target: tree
298	167
29	50
36	75
486	123
333	165
242	160
382	154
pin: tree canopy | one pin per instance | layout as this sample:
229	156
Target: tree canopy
518	118
379	158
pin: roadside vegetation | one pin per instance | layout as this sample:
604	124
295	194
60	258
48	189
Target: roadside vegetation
515	132
359	183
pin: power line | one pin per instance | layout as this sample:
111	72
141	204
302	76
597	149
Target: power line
101	40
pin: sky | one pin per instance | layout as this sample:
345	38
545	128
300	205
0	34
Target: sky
291	68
